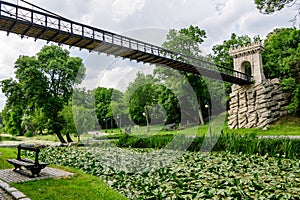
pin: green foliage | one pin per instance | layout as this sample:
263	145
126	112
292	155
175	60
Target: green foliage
221	51
44	84
67	114
84	119
281	59
156	141
12	120
186	41
28	134
108	103
232	142
271	6
147	95
189	175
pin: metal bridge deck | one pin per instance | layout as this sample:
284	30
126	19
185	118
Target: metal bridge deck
50	27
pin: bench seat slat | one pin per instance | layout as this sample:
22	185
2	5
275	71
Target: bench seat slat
32	161
19	162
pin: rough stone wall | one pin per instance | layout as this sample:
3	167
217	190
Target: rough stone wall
256	105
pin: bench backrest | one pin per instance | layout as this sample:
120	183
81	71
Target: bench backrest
29	148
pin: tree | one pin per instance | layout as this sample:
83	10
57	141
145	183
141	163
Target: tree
35	122
45	82
105	101
150	101
271	6
186	41
281	59
139	97
14	107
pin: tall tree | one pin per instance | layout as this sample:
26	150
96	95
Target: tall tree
186	41
139	97
45	82
14	107
150	101
281	59
105	101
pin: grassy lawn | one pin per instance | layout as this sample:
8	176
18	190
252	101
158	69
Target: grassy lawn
80	186
288	125
7	153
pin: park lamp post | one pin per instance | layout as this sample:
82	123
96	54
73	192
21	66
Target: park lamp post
146	115
111	124
105	120
120	122
209	117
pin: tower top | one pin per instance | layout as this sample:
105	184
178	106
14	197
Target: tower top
240	51
249	54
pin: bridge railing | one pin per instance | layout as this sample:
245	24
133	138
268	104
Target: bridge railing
62	24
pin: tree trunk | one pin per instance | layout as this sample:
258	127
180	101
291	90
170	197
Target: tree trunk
69	139
200	111
60	137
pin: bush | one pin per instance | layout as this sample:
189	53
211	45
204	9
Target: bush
235	143
156	141
28	134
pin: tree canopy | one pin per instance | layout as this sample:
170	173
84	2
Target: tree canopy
271	6
281	59
186	41
43	83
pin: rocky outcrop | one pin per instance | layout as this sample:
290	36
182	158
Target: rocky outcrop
256	105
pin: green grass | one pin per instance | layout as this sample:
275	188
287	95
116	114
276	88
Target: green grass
6	154
80	186
286	126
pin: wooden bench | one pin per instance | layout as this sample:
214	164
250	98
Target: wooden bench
33	165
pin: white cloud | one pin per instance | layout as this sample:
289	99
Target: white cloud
122	8
219	18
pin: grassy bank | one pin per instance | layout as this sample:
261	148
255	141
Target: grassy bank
234	143
80	186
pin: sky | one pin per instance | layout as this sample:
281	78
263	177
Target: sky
146	20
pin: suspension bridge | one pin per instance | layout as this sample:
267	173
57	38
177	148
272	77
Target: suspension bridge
39	23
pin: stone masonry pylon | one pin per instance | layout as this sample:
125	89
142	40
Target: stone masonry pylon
258	104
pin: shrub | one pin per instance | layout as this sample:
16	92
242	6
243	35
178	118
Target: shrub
28	134
235	143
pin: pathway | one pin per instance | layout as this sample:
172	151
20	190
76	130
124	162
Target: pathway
4	195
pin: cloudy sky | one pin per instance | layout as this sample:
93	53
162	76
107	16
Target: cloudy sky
147	20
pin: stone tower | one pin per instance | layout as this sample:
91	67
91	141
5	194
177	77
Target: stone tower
258	104
250	54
